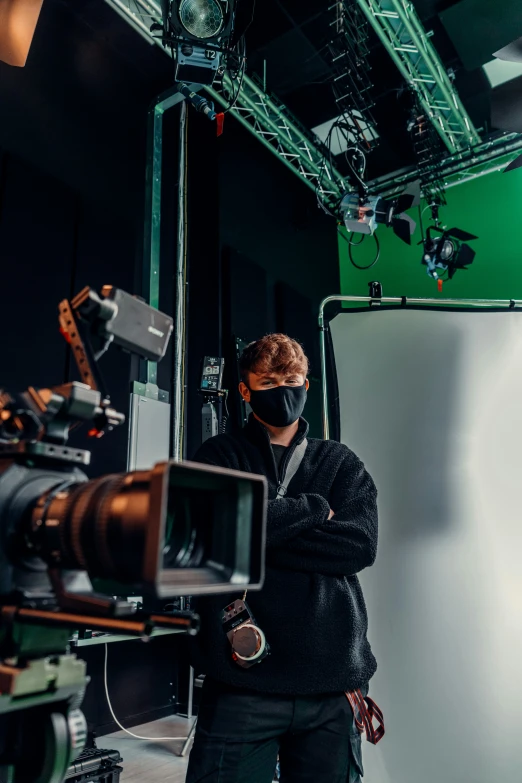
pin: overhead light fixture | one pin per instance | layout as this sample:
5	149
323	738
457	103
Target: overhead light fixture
362	214
447	251
201	18
200	34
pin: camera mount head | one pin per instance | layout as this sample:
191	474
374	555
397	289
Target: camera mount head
37	422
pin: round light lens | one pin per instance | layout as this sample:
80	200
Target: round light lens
447	250
201	18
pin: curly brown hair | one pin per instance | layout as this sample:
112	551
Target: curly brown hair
275	353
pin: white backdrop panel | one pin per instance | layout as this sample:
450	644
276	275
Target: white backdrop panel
431	401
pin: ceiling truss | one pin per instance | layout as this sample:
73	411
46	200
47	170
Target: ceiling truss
279	131
262	114
401	31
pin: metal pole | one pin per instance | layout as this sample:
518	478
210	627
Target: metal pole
322	343
508	303
151	248
181	258
152	231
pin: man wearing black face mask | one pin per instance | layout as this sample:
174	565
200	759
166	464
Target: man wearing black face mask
321	532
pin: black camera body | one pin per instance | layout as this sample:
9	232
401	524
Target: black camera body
249	645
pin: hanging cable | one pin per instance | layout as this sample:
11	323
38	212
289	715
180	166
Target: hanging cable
225	418
350	244
135	736
241	56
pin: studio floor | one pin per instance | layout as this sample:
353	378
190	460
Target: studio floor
151	761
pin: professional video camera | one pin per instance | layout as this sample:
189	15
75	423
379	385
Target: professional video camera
177	529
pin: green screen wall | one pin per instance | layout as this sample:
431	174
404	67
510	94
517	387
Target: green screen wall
489	207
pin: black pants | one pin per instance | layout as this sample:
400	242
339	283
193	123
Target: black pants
240	734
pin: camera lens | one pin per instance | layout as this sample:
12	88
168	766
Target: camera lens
182	546
177	529
101	526
98	526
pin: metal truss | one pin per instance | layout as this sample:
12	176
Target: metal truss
271	122
351	83
486	158
276	128
262	114
399	28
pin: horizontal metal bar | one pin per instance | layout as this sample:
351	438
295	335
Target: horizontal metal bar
507	146
389	300
509	303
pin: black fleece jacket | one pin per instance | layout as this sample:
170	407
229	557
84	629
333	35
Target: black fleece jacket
311	607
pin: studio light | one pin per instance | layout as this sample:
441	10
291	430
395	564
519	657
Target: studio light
200	34
447	251
362	214
201	18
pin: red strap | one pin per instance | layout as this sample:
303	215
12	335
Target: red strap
220	121
366	714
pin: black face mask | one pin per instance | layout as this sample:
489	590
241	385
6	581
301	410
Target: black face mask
279	406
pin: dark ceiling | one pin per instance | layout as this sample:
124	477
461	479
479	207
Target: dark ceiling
113	62
292	37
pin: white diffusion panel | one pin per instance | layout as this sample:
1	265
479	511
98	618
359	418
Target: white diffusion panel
431	401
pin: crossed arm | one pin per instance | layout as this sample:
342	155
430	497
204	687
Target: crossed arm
339	545
302	533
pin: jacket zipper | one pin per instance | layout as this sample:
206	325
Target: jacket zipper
284	464
285	461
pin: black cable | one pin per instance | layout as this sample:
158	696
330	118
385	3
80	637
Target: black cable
224	419
240	76
251	19
354	145
327	158
322	168
349	243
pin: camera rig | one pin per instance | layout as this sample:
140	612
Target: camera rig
176	529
